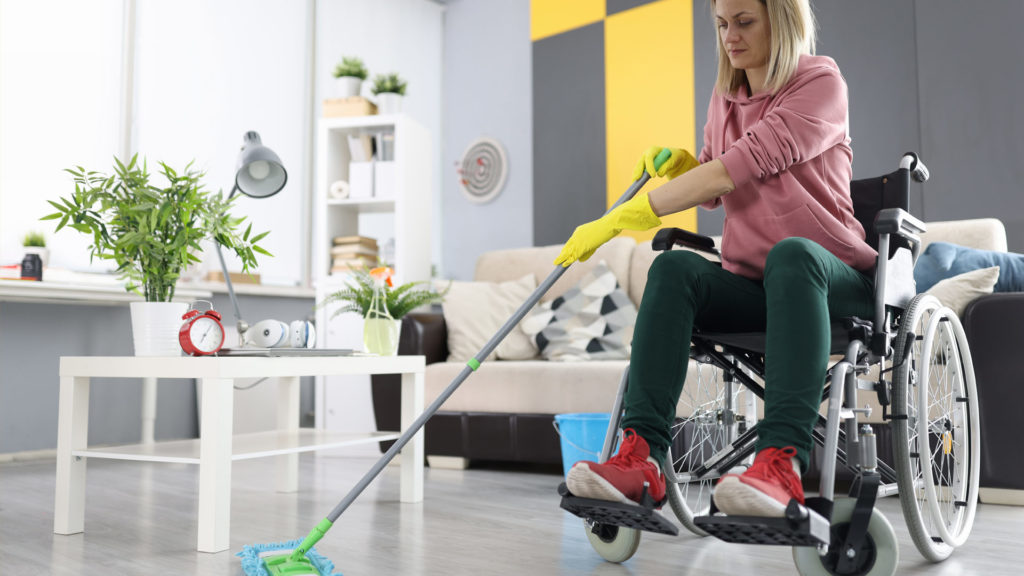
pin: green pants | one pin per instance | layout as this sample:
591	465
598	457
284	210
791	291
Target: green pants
804	286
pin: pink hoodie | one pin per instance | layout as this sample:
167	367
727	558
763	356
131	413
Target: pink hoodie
789	156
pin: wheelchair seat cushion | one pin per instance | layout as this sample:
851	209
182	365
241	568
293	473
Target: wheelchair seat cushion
755	341
942	260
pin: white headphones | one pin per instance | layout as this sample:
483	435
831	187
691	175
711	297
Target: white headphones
277	334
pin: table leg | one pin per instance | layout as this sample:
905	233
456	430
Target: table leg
72	434
412	453
288	423
148	409
215	464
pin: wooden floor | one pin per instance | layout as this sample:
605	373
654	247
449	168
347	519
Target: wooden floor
140	520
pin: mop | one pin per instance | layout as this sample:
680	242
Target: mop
297	557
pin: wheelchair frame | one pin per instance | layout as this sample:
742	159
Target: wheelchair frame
812	529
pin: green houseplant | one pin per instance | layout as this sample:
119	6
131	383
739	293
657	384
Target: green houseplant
34	239
350	73
370	294
389	90
35	243
357	295
152	233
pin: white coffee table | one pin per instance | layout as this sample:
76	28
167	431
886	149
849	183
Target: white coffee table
216	447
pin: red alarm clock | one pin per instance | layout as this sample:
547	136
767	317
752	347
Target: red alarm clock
202	333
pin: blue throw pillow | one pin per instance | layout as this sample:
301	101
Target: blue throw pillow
943	260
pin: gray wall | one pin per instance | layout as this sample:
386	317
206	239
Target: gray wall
972	121
34	336
486	90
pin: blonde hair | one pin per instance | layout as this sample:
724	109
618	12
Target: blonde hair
792	34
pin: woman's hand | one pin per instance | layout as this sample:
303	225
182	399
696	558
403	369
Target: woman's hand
680	161
636	214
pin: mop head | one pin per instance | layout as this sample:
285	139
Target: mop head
272	560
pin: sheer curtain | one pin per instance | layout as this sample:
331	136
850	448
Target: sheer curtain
60	106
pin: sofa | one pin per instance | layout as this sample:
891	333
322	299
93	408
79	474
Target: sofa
504	411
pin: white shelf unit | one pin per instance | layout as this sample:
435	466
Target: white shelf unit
411	207
406	216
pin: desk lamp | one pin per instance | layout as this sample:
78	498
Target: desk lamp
258	174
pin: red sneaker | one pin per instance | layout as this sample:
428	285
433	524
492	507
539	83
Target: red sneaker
765	488
622	477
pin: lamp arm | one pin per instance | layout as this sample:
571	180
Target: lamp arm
242	325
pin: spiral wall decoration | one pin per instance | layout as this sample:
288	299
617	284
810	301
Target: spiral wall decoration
483	170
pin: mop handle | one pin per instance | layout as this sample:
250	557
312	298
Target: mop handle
471	366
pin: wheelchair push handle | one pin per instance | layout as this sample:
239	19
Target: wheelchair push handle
918	171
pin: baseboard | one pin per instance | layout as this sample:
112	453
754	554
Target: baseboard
1003	496
28	455
448	462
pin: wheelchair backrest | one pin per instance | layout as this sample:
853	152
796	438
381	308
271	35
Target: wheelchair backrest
870	196
874	194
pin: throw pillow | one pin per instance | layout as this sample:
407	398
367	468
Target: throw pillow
593	320
957	292
943	260
475	311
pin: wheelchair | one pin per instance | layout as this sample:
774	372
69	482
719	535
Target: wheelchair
913	355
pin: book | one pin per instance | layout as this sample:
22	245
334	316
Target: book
353	250
360	147
361	240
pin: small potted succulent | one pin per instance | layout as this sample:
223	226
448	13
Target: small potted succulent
350	73
389	90
35	243
371	294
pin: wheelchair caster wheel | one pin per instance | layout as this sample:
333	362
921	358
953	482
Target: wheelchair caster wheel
613	543
877	557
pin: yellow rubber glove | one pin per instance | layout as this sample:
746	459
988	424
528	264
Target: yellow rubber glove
635	214
679	162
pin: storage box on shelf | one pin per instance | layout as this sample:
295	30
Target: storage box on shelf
399	206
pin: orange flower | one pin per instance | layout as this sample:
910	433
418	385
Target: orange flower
383	273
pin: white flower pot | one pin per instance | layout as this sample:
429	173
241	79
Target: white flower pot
42	251
389	103
349	86
155	327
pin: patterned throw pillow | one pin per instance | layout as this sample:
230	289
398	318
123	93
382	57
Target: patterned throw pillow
594	320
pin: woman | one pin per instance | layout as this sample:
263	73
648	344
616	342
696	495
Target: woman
776	155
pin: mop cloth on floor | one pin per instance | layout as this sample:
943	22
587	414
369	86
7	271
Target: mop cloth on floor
252	563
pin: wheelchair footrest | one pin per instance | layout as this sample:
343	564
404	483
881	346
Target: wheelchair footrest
640	517
801	527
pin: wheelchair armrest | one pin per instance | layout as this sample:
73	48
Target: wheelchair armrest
903	227
666	238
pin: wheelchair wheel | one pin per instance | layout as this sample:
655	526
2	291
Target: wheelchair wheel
878	556
713	422
937	432
613	543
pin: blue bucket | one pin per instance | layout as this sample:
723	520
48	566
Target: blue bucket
582	436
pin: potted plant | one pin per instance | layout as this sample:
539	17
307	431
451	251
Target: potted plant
358	297
389	90
35	243
350	73
152	233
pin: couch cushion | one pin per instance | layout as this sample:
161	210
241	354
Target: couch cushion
475	311
594	320
980	233
943	260
504	265
957	292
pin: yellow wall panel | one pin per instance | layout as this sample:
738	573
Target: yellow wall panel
550	17
649	91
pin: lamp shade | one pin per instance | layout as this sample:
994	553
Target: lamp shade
259	172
